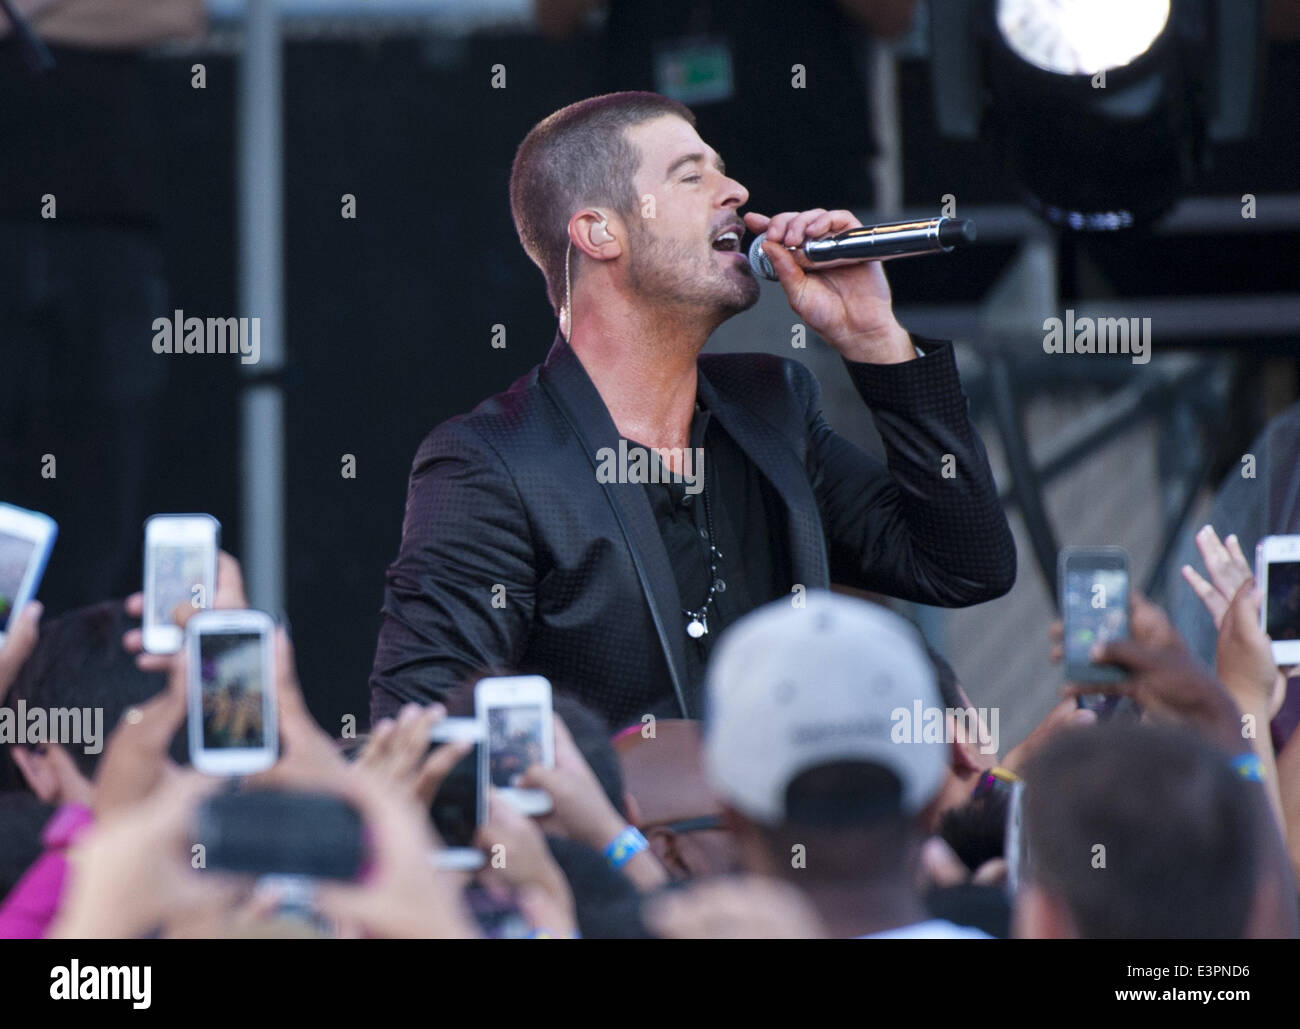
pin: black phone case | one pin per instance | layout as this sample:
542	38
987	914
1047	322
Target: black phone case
273	832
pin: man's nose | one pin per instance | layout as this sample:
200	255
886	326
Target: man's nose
735	194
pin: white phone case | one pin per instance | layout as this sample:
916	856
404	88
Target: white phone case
232	760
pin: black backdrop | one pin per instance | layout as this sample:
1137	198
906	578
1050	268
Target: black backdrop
388	316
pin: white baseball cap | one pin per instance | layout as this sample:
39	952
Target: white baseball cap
793	688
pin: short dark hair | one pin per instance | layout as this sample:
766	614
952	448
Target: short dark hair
976	830
579	155
79	662
848	817
1182	833
22	817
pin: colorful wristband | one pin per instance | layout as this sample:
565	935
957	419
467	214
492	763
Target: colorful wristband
625	846
1249	767
994	779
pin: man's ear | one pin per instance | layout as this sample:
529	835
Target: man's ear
39	771
53	775
597	234
663	844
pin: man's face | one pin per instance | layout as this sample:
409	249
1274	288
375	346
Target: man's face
681	255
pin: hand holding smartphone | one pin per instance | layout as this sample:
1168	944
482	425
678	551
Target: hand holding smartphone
230	669
515	712
26	539
180	567
1277	575
460	805
1094	585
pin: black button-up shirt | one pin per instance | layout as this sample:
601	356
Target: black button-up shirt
748	530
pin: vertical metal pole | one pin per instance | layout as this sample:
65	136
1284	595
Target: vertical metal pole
882	94
261	296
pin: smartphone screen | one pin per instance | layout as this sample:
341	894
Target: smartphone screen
178	568
16	553
1283	600
455	807
514	742
1096	610
232	690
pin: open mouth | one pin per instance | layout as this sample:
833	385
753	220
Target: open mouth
728	241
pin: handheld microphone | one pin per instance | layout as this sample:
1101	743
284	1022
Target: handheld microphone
876	243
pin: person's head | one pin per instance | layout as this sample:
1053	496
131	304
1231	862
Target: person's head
976	830
624	188
1136	831
809	742
75	687
673	804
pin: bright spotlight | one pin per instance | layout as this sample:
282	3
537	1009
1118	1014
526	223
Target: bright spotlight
1081	37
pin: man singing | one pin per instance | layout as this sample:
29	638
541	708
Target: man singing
521	552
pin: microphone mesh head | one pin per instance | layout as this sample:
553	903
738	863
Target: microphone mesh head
955	231
758	260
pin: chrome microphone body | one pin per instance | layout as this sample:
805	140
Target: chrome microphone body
875	243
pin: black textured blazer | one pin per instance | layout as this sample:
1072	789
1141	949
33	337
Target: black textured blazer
515	557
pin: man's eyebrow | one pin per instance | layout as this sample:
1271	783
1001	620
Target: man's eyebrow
688	158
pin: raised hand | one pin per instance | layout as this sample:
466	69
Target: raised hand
1168	683
1229	571
520	860
1244	655
398	752
404	895
228	595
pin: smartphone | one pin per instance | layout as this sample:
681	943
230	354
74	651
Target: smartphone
1094	585
281	833
26	539
460	805
515	713
180	567
1277	574
230	664
1013	848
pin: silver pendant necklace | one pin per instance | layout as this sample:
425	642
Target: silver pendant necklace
697	622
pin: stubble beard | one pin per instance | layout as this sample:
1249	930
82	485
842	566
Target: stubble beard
688	276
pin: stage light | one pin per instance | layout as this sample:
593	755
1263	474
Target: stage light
1102	110
1081	37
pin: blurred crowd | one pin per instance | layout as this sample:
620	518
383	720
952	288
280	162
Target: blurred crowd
797	808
